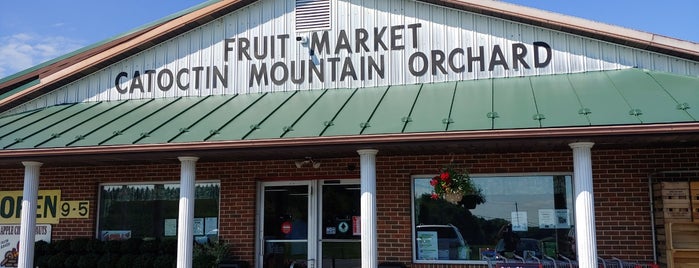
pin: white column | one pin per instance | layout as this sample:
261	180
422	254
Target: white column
28	221
367	163
585	236
185	220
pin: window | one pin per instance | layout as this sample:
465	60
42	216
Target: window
530	216
151	210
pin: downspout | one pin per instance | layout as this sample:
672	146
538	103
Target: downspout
652	217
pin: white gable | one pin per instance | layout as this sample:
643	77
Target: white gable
369	43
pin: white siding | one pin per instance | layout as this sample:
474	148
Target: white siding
442	29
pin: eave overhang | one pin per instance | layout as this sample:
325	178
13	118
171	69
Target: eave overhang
449	142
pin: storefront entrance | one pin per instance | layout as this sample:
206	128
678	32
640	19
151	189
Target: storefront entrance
312	224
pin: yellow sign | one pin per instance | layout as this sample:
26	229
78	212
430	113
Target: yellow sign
75	209
49	208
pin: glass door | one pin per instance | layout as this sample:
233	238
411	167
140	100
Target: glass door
340	243
300	223
286	223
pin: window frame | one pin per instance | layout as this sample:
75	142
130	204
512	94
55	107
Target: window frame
98	211
413	178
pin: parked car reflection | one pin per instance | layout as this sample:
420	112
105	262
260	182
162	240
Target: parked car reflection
210	237
450	243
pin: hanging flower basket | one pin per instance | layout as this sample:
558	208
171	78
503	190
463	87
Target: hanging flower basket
454	197
453	184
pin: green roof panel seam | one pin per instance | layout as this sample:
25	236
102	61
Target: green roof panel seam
330	123
215	132
407	119
81	123
680	106
367	122
291	126
203	117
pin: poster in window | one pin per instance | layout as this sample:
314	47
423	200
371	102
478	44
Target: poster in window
198	226
170	227
519	221
547	219
108	235
10	238
356	225
562	218
427	245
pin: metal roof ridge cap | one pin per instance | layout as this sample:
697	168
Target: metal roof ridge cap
585	25
106	42
132	42
572	132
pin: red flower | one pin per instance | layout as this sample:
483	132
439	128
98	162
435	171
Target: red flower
444	176
434	181
435	196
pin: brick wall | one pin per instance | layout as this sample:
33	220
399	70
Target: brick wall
622	206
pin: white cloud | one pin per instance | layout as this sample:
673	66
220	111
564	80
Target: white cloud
22	51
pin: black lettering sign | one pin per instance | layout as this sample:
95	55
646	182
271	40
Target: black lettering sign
349	55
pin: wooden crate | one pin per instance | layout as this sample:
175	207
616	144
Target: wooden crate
682	245
661	221
672	202
673	211
672	205
682	259
672	194
671	185
683	236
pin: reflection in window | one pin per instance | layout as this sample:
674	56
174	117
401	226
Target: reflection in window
530	216
151	210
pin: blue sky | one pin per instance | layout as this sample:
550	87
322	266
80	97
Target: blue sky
35	31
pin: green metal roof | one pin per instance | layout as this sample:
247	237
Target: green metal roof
605	98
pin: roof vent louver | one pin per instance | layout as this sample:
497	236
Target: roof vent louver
312	15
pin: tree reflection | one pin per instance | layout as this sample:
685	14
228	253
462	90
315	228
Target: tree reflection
475	230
